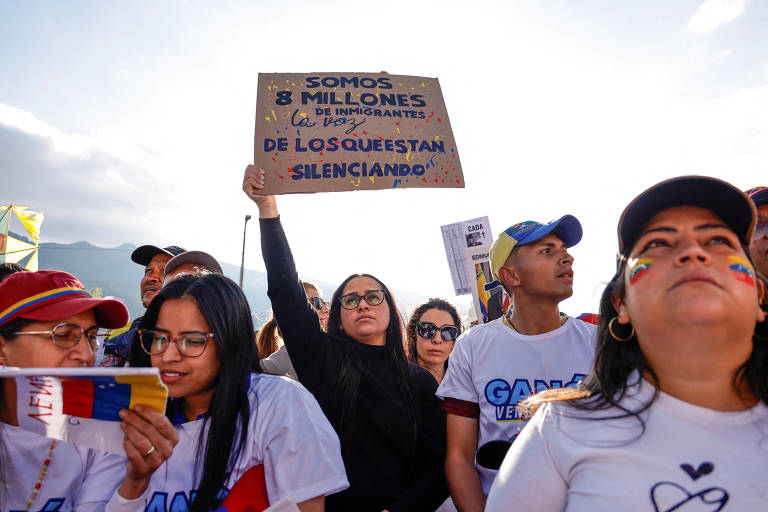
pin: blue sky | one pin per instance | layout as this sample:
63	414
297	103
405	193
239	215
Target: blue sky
133	121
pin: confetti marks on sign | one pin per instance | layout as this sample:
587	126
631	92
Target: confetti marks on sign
321	127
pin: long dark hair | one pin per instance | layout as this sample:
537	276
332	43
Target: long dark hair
607	384
353	371
410	330
226	310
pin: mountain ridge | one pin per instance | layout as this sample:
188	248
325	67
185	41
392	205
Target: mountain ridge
112	272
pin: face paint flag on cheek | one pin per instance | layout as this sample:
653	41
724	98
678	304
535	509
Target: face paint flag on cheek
742	269
639	268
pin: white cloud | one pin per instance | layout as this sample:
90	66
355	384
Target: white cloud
553	114
108	140
713	13
91	187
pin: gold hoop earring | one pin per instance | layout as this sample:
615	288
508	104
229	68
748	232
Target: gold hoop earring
613	334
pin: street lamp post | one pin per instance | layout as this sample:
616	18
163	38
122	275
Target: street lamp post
242	261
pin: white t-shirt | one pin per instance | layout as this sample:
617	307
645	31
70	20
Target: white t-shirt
287	433
77	478
688	458
495	366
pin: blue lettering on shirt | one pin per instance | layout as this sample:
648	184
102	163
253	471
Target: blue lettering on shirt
504	397
52	505
180	502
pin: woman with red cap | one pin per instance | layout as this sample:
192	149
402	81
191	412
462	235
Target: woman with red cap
48	319
673	415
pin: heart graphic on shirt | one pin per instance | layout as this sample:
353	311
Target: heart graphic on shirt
704	468
669	497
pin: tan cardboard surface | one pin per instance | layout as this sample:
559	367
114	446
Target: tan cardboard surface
321	132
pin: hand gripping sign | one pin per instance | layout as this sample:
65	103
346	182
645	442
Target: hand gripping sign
320	132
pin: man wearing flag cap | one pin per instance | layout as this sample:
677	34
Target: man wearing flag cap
497	364
117	348
758	249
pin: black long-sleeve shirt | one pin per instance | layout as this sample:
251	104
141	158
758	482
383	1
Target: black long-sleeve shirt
384	469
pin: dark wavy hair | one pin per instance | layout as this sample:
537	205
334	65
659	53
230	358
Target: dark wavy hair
353	371
607	384
410	330
8	269
226	310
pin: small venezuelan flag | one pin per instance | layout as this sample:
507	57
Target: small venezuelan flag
102	397
81	405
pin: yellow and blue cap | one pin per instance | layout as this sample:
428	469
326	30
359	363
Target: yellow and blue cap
567	228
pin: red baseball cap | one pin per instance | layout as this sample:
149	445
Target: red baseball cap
53	295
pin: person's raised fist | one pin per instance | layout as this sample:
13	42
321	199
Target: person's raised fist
253	184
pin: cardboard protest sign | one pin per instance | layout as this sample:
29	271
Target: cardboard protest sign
457	237
81	405
320	132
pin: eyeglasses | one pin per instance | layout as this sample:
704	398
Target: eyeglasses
189	345
428	330
318	303
68	335
352	300
761	229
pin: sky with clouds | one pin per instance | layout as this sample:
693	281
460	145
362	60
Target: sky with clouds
133	121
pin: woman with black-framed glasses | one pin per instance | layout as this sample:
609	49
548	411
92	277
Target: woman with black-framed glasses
431	332
388	418
246	440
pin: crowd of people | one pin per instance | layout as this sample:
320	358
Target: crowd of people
343	405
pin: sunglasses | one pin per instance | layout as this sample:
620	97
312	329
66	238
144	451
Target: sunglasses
428	330
318	303
352	300
761	229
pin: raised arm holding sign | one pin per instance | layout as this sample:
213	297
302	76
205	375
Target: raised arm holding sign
385	410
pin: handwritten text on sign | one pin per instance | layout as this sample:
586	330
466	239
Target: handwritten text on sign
347	131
